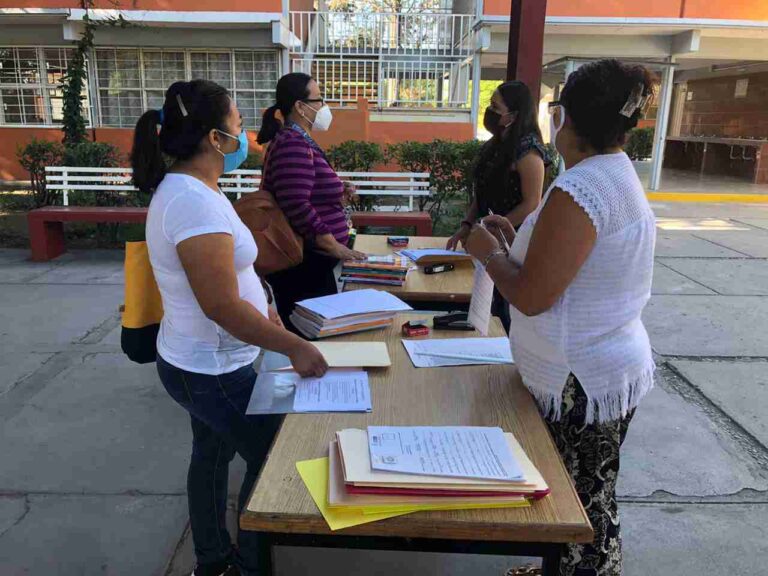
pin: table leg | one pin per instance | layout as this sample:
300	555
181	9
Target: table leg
266	549
550	565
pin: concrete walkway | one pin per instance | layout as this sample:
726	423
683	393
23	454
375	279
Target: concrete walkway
93	473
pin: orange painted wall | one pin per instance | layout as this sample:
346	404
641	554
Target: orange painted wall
180	5
598	8
728	10
716	9
351	124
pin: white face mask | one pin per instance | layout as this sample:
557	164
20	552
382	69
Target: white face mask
323	119
553	129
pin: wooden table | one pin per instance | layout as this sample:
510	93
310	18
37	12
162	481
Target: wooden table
445	291
283	511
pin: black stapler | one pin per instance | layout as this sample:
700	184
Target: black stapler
452	321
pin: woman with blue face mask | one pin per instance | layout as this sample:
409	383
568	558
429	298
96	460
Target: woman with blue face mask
216	316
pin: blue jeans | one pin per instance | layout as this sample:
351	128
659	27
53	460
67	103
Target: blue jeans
220	428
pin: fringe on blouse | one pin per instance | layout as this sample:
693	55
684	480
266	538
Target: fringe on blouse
612	404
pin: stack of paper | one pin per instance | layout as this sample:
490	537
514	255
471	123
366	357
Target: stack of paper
426	256
386	270
390	471
345	313
458	351
462	463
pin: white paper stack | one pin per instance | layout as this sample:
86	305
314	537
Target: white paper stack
345	313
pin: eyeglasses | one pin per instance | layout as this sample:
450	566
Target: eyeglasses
319	100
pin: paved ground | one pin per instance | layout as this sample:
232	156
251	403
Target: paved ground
92	478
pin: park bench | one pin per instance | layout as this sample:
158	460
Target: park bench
46	225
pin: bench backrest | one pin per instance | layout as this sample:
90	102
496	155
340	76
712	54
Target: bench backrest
119	180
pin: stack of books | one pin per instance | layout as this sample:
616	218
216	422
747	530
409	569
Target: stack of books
345	313
363	472
386	270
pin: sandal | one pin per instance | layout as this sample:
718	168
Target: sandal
527	570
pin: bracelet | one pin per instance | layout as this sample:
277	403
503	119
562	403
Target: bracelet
468	223
492	255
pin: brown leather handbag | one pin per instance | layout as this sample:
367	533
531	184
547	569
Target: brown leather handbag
280	247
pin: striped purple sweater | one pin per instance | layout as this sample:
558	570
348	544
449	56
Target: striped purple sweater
305	186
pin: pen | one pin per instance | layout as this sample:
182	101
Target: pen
506	243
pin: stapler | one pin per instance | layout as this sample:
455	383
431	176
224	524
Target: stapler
452	321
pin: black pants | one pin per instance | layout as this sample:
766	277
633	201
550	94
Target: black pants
311	279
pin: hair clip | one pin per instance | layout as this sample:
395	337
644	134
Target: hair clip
635	101
184	112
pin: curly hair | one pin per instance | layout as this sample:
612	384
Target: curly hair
594	96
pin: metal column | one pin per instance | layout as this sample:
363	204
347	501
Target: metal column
475	102
526	43
662	122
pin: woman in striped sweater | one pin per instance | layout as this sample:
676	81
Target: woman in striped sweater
308	191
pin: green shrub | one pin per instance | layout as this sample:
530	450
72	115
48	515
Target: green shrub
639	144
356	156
254	161
34	157
450	165
101	155
92	154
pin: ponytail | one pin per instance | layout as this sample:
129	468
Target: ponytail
191	110
291	88
270	125
146	157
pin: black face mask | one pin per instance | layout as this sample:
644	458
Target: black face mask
491	120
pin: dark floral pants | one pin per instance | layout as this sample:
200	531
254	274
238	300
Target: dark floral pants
591	455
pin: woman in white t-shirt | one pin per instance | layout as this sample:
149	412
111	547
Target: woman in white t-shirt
577	277
216	316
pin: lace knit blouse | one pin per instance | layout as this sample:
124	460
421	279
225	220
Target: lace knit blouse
595	329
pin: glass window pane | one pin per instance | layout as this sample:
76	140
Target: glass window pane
213	66
56	60
155	99
244	77
121	108
23	105
19	66
118	69
161	69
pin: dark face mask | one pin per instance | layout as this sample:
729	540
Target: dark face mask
492	120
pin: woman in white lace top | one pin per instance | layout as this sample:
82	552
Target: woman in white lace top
578	276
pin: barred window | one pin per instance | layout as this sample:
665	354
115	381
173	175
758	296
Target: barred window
131	80
30	85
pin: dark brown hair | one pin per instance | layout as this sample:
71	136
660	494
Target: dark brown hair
190	111
594	96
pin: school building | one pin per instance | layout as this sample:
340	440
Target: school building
392	70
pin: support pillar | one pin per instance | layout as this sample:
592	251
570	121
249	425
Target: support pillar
526	43
662	122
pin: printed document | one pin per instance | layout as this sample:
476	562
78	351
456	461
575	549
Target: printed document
458	352
453	451
482	298
337	391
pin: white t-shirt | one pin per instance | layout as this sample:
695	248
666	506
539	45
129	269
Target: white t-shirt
594	330
183	207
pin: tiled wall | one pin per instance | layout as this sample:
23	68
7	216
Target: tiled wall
712	109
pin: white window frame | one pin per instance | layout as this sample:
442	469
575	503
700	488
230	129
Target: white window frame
187	53
45	89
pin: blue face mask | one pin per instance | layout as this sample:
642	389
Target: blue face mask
233	160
